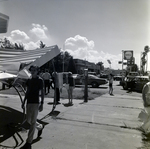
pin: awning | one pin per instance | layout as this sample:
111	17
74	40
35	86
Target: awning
11	59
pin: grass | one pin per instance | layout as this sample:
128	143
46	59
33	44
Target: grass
78	93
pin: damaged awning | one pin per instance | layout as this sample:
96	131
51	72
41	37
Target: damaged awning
11	59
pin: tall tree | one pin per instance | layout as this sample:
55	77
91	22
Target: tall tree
101	66
5	43
72	66
42	45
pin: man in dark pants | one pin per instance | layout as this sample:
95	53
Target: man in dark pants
46	76
56	88
35	89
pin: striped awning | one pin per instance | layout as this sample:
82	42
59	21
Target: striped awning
11	59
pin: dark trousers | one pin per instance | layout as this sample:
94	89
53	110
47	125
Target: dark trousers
47	85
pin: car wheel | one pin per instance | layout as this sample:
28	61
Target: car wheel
94	84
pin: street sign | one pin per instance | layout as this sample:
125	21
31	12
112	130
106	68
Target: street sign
131	61
128	55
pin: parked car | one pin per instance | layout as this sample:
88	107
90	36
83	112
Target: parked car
92	80
118	78
92	73
139	82
128	80
105	76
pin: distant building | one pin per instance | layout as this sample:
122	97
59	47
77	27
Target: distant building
107	71
83	64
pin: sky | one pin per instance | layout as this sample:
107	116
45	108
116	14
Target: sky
93	30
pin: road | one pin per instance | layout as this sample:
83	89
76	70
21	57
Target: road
107	122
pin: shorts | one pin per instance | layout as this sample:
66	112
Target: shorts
110	84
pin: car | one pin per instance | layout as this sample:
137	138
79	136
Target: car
105	76
118	78
92	73
127	81
138	81
93	80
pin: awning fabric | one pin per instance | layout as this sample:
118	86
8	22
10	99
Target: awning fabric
11	59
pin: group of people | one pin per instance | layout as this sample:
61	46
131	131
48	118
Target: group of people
39	85
34	98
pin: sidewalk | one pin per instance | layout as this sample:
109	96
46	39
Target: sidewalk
107	122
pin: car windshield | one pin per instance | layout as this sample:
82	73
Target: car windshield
93	77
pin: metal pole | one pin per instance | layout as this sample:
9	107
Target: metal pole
86	85
122	63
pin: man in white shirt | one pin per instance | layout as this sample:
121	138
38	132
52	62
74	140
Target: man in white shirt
46	77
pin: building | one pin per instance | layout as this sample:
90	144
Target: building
83	64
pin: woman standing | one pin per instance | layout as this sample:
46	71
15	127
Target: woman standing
111	84
71	84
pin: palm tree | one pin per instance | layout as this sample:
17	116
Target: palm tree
144	59
42	45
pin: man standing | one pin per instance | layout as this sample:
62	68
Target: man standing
56	87
35	89
46	76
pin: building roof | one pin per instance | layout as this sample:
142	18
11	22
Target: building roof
3	23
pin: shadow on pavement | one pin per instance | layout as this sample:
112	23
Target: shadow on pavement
10	126
9	122
52	113
67	105
145	141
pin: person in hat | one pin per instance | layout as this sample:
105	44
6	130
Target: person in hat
35	90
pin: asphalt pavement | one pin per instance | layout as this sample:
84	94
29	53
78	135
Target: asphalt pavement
107	122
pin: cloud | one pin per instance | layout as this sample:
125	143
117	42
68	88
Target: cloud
32	45
79	41
82	48
39	31
31	40
18	36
